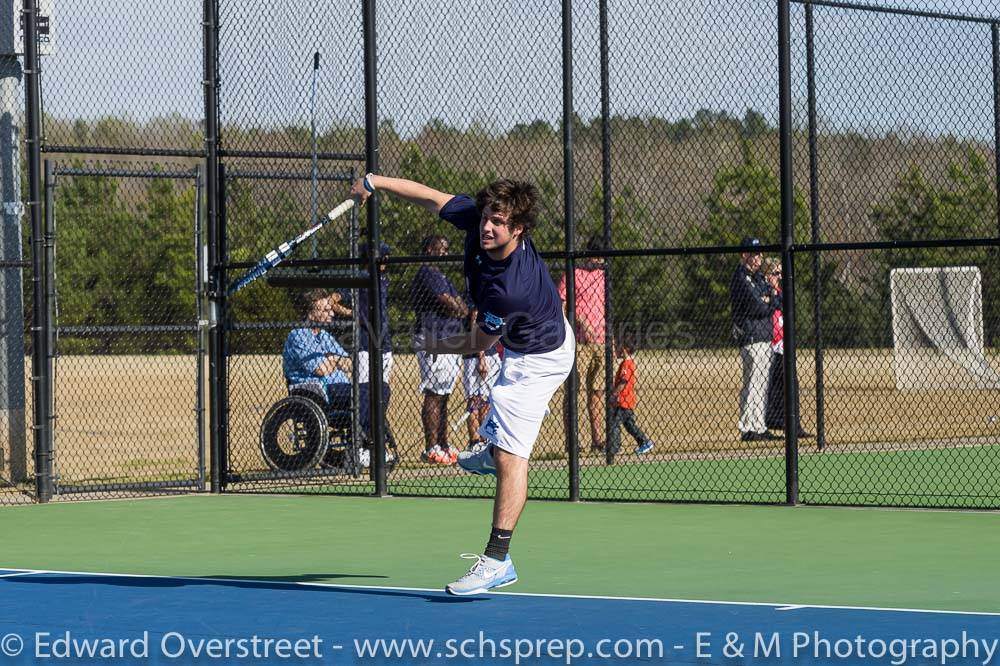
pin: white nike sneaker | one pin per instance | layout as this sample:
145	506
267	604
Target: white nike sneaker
485	575
478	462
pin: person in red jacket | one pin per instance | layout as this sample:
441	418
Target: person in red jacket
774	413
623	413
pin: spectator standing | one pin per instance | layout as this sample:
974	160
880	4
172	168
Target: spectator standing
440	314
750	300
382	338
775	412
588	321
384	335
623	413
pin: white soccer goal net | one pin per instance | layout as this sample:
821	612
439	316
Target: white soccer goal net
937	329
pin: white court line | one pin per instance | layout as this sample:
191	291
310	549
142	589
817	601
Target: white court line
18	573
254	581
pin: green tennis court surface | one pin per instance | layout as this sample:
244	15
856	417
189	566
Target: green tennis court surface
967	477
942	560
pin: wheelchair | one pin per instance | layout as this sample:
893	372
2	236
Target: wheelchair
303	431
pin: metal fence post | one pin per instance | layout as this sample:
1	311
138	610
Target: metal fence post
787	258
33	139
356	325
222	331
216	359
995	29
569	212
199	295
606	194
814	219
51	180
374	255
41	377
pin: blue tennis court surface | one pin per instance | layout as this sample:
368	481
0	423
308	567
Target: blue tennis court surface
73	617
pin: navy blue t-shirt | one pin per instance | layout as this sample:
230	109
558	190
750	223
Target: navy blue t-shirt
432	317
516	297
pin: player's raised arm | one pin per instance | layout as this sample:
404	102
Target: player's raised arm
416	193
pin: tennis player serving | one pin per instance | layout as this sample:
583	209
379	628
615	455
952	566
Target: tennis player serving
518	303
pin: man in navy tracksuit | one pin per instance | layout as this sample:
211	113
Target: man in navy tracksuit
751	300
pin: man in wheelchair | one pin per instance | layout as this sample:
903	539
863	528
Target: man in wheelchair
312	356
313	424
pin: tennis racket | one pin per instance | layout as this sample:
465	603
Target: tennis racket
459	421
279	254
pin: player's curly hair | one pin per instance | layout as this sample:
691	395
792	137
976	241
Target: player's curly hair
515	198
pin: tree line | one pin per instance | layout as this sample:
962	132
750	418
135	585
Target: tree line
125	247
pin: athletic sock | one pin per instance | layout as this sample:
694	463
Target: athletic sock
498	544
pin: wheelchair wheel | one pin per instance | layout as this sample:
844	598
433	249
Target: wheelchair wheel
294	434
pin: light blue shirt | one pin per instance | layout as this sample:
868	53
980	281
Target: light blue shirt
305	351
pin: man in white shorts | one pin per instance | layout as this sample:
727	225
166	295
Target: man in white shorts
383	339
440	312
518	303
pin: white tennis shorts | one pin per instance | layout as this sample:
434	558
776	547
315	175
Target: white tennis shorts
363	367
438	377
473	382
520	398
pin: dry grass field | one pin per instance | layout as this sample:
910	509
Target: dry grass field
133	417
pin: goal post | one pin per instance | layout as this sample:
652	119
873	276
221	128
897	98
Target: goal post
937	329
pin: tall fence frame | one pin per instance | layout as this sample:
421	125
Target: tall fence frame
815	248
220	266
128	426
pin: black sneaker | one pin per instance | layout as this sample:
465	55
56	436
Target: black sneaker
766	436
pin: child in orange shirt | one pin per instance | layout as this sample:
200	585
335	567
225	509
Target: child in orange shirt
625	400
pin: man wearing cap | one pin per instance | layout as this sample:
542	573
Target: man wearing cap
750	298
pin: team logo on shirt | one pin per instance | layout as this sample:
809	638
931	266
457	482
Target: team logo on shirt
493	322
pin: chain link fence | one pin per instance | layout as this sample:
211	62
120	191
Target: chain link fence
127	80
128	348
657	152
896	147
289	428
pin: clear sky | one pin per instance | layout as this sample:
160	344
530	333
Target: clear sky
496	63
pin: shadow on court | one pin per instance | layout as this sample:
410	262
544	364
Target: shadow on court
300	583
